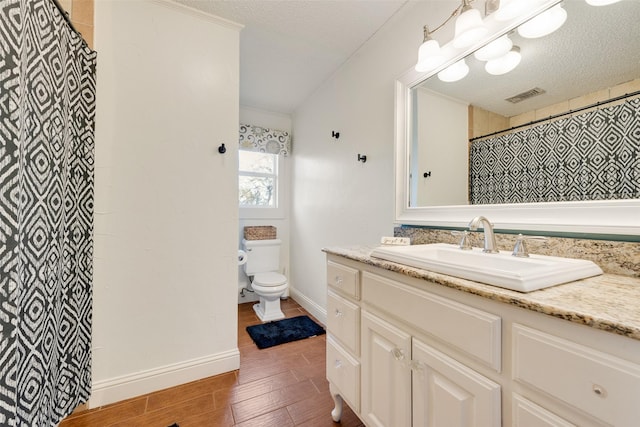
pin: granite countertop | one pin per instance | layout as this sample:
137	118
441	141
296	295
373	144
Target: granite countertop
608	302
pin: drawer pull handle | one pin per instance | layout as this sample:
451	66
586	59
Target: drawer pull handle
338	363
397	353
599	390
338	313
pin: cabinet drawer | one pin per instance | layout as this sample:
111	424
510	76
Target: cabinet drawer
344	372
598	383
475	332
343	322
343	278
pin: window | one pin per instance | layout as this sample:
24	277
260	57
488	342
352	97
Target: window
262	172
258	179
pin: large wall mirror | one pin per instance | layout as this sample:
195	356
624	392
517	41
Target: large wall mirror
532	149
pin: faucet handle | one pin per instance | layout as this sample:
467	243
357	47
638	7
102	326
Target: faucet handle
520	248
465	239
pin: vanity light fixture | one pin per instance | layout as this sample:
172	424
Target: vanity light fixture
429	55
545	23
454	72
510	9
505	63
497	48
469	27
601	2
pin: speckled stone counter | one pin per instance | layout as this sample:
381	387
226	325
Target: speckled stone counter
608	302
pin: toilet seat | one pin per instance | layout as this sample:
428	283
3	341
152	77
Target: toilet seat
269	279
269	286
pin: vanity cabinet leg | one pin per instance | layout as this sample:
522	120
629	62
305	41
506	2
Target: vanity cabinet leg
336	413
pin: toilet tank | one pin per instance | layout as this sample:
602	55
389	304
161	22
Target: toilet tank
262	256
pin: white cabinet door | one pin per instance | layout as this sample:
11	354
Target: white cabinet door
386	376
448	393
528	414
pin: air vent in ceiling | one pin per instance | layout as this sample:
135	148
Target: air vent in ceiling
526	95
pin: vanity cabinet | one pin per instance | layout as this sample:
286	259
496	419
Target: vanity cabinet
405	380
404	351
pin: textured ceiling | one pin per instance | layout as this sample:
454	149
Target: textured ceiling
288	48
596	48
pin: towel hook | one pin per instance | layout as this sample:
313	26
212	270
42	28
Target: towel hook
222	149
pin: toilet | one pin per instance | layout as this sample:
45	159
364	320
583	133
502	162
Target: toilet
263	262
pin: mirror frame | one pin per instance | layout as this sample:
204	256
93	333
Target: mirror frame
606	217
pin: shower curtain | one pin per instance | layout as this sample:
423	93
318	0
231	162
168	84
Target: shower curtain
588	156
47	101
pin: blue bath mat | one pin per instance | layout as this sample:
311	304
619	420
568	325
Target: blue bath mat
283	331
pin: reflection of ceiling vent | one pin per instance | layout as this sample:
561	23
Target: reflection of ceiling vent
526	95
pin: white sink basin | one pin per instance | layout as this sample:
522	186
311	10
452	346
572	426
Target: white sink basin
501	269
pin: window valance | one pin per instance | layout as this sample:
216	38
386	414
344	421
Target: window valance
256	138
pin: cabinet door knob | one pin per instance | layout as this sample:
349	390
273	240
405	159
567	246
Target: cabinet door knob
338	313
338	363
397	353
599	390
416	366
338	280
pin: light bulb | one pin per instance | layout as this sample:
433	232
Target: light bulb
510	9
601	2
495	49
545	23
505	63
454	72
469	28
429	56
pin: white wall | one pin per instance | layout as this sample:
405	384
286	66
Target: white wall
165	200
439	131
270	120
337	200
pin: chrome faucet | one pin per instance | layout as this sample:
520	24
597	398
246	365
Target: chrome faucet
489	237
465	242
520	248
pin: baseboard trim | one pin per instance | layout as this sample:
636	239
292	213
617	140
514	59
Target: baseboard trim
124	387
308	304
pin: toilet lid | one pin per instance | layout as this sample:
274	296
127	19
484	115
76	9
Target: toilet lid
269	279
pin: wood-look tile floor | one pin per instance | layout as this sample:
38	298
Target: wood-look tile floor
280	386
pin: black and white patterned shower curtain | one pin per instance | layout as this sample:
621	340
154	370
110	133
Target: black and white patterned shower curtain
590	156
47	101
